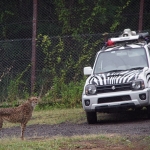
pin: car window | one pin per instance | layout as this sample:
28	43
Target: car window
122	59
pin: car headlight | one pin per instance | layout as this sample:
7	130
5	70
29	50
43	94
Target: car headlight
90	89
138	85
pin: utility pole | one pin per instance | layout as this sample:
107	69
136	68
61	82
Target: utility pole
141	15
33	59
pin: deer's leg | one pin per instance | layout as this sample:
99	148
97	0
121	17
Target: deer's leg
23	126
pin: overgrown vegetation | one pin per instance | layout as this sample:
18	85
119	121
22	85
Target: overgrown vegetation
67	64
58	17
69	34
84	16
64	95
17	87
63	69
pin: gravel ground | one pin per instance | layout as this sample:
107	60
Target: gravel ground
126	124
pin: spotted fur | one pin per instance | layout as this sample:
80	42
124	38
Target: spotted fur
21	114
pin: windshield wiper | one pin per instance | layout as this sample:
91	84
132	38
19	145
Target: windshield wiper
136	68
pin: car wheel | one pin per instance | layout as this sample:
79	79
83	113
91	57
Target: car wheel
91	117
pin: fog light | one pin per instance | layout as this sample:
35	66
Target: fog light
142	96
87	102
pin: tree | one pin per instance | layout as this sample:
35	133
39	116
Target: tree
85	16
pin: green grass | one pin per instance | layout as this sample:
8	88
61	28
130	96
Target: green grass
95	142
84	142
57	116
54	116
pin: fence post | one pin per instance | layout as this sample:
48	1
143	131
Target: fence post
33	59
141	15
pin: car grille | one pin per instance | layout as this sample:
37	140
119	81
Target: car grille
113	88
114	99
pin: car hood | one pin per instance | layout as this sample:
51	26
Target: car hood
115	77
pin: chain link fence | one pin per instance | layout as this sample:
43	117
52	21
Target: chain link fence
57	55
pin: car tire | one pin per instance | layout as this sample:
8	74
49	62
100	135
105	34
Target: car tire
91	117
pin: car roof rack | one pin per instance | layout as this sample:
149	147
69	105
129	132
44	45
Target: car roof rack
125	39
128	37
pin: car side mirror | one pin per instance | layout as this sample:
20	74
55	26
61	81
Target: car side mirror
87	70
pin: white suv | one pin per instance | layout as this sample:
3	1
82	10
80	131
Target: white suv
120	78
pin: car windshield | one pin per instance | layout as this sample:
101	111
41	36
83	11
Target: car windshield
122	59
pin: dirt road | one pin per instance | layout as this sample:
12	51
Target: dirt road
126	124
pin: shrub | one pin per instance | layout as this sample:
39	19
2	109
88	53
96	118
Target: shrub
64	95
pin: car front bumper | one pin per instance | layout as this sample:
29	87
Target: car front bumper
134	101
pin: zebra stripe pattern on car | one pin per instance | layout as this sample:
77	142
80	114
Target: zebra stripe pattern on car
115	77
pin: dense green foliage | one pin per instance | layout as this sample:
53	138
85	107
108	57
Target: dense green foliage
57	17
63	68
84	16
69	33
